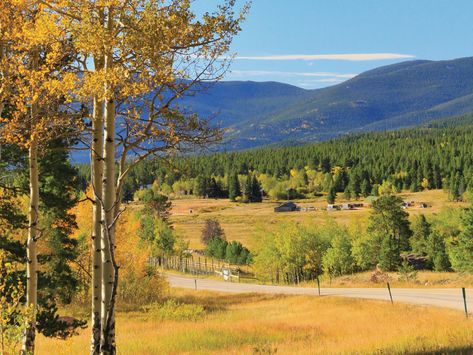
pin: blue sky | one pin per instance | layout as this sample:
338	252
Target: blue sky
300	41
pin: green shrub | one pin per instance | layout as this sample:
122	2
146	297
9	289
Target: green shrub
137	290
407	272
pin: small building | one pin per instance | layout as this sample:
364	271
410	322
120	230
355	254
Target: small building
286	207
351	206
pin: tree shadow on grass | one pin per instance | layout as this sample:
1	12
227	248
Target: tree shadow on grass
468	350
213	302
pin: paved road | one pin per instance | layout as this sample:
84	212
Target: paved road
441	297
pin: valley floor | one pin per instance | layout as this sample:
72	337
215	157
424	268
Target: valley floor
252	324
245	222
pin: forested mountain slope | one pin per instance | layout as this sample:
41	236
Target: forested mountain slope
389	97
437	155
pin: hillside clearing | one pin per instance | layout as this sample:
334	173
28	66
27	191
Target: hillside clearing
242	222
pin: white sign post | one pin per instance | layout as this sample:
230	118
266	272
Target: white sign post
226	274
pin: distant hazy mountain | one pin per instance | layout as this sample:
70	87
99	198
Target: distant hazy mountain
388	97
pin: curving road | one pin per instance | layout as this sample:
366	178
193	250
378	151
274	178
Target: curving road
440	297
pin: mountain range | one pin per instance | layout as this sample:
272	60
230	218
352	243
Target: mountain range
389	97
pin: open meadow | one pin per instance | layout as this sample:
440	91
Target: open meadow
212	323
244	222
236	177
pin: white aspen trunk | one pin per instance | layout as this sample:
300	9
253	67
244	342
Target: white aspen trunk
108	231
28	346
32	258
108	345
97	175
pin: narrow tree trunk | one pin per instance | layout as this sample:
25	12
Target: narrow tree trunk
97	175
108	345
32	259
108	232
2	73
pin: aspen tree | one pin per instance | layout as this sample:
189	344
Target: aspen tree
151	52
34	85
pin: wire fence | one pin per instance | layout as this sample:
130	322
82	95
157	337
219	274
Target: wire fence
201	265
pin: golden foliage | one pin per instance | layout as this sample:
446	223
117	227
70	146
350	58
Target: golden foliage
131	254
83	213
35	81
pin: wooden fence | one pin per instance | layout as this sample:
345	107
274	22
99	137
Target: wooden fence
201	265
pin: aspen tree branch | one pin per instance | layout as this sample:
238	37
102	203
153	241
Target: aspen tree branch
82	268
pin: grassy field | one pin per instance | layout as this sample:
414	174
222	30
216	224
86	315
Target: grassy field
423	279
243	222
265	324
216	323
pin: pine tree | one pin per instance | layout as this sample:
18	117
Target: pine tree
390	223
57	281
256	195
421	230
58	196
248	189
325	165
201	187
355	187
347	193
332	195
157	204
436	250
214	189
462	251
328	182
454	187
233	186
365	187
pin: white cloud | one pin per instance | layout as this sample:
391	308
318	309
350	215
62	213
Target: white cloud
348	57
328	80
245	73
311	83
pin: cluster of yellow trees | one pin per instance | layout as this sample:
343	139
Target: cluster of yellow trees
107	72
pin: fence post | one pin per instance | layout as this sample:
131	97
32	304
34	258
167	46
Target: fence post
464	302
195	283
318	284
390	295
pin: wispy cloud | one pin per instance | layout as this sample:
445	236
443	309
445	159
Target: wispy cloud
348	57
311	83
246	73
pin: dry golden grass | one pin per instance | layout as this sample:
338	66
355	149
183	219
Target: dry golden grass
248	324
242	222
424	278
